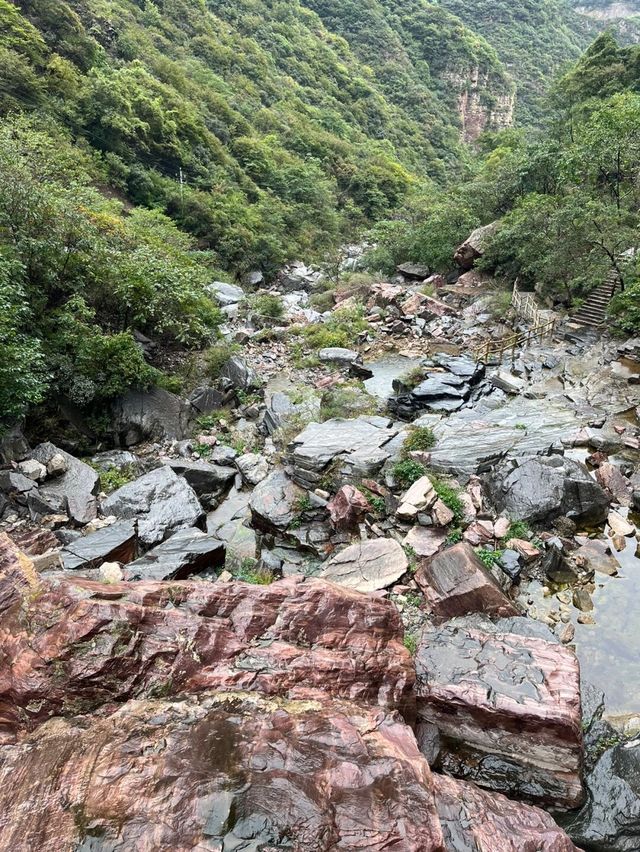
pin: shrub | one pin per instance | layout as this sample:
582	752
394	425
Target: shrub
341	329
268	305
420	438
413	377
489	558
323	301
111	480
518	529
345	402
407	472
217	356
250	572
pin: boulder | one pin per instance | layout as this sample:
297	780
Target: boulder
115	460
347	508
16	486
609	821
225	772
33	469
74	491
546	487
155	414
253	467
473	247
353	449
507	705
205	478
455	582
239	375
367	565
472	819
75	643
595	555
611	479
226	294
161	501
114	543
207	399
620	525
414	271
337	355
13	444
230	523
186	552
273	503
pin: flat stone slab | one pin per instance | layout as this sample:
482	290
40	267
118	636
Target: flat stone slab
367	565
508	707
455	582
425	541
74	491
186	552
115	543
273	502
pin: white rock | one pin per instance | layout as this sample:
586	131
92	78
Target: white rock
110	572
57	465
620	525
32	469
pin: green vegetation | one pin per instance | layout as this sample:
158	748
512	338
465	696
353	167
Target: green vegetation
519	529
420	438
217	356
413	377
111	480
412	559
268	305
249	572
455	536
340	329
489	558
449	495
347	401
411	643
407	471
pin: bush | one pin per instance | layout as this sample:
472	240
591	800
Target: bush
346	402
268	305
420	438
217	356
407	472
341	329
414	377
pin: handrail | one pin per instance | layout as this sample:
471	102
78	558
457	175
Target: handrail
526	305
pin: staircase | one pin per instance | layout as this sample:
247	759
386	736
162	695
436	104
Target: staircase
594	310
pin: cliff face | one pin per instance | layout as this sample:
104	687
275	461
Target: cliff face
483	102
606	11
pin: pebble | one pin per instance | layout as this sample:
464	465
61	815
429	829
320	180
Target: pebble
586	618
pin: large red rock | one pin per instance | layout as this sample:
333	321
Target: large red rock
507	706
475	820
220	772
348	508
455	582
75	644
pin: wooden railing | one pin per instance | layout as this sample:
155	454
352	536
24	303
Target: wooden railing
526	306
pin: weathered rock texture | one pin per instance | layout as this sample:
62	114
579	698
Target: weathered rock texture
76	645
472	819
455	582
367	565
73	492
228	772
508	707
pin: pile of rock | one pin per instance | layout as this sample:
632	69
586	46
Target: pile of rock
449	384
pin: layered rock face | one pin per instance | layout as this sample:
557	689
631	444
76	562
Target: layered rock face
227	772
76	644
507	707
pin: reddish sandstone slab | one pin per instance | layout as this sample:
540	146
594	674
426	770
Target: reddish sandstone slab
217	773
75	644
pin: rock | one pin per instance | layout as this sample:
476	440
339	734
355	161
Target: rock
32	469
595	555
114	543
420	497
510	564
582	600
13	444
355	449
161	501
507	706
528	551
425	541
507	382
76	643
620	525
73	490
442	514
239	375
115	460
110	572
367	565
415	271
455	582
253	467
472	819
611	479
348	508
35	542
155	414
255	774
230	523
543	488
205	478
273	503
205	400
501	528
555	566
16	486
336	355
473	247
609	821
226	294
477	534
186	552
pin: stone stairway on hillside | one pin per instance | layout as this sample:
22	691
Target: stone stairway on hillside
593	311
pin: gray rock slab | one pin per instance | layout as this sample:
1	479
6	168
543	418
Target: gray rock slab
186	552
115	543
74	492
367	565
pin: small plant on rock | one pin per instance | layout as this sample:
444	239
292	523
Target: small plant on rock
217	356
489	558
455	536
449	495
407	472
111	480
412	378
519	529
419	438
268	305
250	572
411	643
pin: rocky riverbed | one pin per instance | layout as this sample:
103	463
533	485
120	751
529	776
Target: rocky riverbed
372	597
